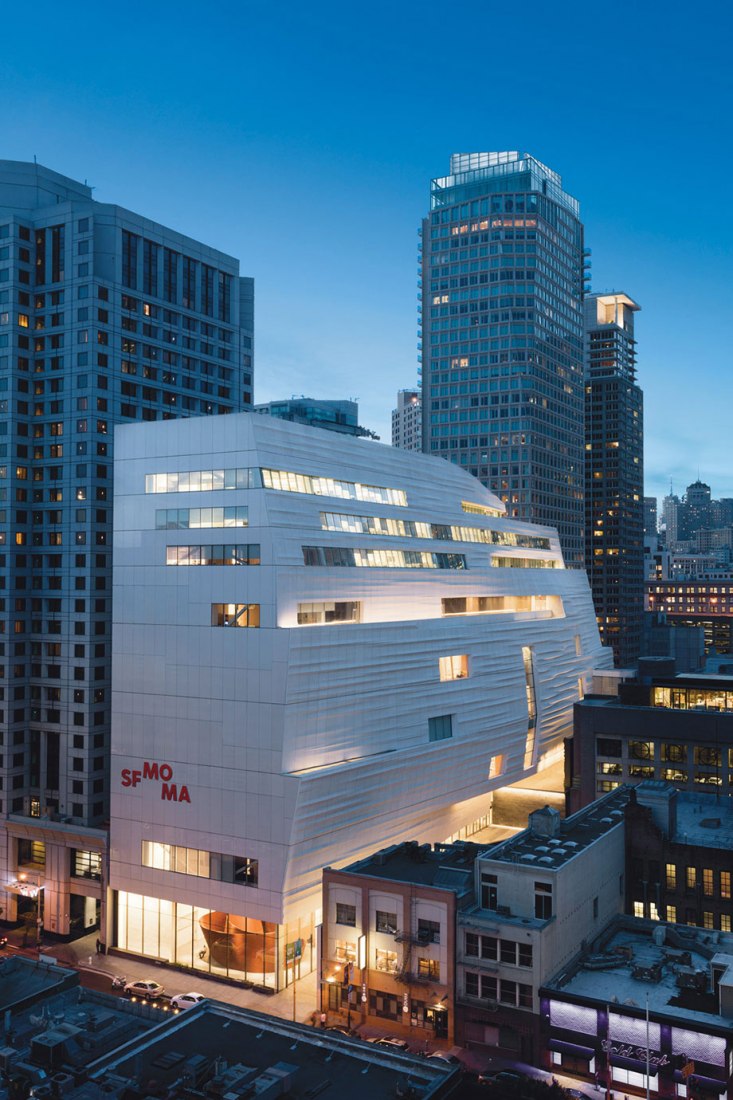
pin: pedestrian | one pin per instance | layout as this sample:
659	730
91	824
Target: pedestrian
323	1019
99	946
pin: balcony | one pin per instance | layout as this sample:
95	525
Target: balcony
419	939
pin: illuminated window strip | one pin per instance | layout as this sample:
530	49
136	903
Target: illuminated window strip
203	481
380	559
525	563
415	529
184	519
239	870
219	554
480	509
289	482
206	481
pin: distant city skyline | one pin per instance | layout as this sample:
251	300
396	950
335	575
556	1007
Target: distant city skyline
307	153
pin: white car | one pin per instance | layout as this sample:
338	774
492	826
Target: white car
149	990
187	1000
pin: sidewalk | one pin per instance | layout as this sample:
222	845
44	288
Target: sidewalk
82	954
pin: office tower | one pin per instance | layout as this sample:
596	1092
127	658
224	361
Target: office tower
334	416
670	518
320	646
695	511
407	421
107	317
502	359
650	517
614	473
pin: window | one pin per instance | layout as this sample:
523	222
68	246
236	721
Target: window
428	931
216	866
429	968
215	554
673	753
671	871
671	914
86	864
489	891
328	611
725	922
707	756
641	750
386	922
386	960
346	914
482	947
707	882
453	668
480	985
235	614
183	519
690	878
725	884
543	900
440	728
31	852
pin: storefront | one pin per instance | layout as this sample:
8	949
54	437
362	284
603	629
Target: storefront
224	945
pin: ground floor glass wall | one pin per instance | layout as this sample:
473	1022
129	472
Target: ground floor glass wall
225	945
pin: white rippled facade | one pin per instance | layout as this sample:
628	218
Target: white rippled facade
302	745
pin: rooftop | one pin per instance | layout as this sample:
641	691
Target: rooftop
444	866
550	842
637	959
223	1050
23	981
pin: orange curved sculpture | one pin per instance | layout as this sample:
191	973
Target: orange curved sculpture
240	943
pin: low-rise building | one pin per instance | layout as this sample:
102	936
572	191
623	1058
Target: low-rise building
645	1006
678	853
678	729
388	944
537	896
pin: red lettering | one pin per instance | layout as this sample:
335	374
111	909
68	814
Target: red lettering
183	795
150	771
169	792
166	772
136	777
126	781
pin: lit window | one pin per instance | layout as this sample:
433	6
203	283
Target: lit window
453	668
328	611
235	614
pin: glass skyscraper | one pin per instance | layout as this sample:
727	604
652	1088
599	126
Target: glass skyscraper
502	335
614	473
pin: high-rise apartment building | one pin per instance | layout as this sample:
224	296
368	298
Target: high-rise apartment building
502	335
407	421
650	517
105	317
614	473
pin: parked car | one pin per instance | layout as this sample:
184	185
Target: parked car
500	1077
444	1056
389	1041
187	1000
148	990
341	1029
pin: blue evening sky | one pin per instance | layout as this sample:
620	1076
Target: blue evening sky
301	138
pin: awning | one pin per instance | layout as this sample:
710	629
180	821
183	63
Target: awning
633	1064
571	1048
712	1084
709	1083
